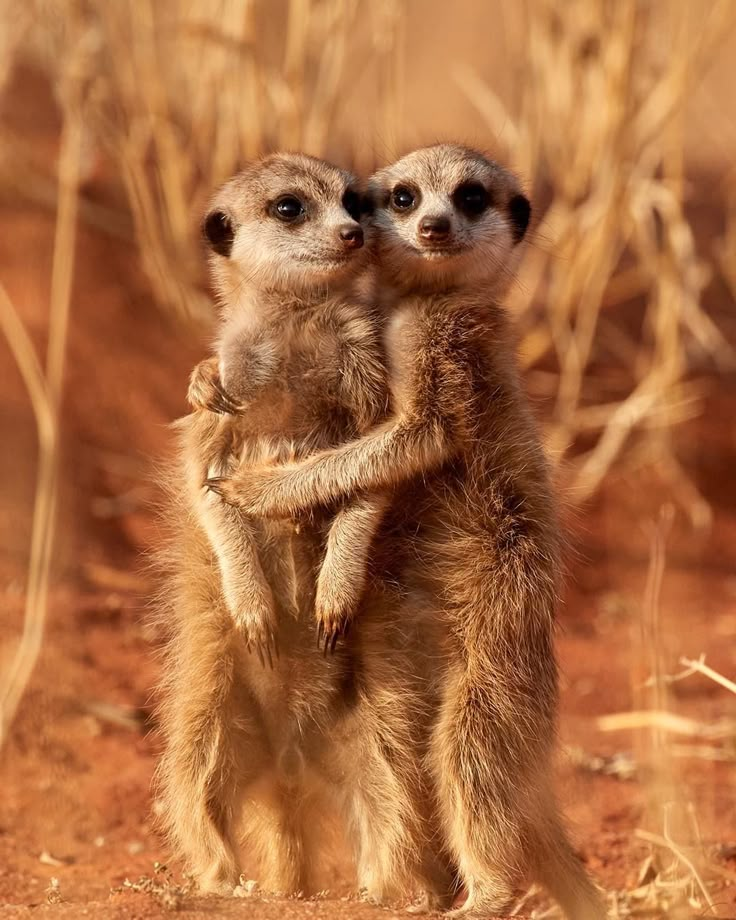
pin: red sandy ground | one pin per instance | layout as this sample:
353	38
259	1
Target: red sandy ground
75	785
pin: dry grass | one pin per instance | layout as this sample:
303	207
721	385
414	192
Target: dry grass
45	390
179	94
677	877
162	887
599	125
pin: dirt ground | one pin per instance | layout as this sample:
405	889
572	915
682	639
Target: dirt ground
76	772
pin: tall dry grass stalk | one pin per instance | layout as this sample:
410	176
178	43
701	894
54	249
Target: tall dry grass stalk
598	126
44	386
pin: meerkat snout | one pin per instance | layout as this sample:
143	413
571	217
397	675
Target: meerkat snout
351	235
435	229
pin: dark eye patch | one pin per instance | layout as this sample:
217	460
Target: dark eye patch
519	213
352	201
471	199
217	229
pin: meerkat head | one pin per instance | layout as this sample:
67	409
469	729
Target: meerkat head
289	222
446	216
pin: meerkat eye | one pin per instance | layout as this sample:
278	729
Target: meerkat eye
353	204
403	198
288	209
471	198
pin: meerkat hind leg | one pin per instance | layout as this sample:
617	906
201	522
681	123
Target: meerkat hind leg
211	751
276	824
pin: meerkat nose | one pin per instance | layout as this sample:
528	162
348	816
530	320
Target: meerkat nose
352	236
434	228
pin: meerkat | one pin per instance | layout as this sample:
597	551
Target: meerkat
252	755
252	374
463	457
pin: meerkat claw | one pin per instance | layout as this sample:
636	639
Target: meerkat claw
218	485
213	485
223	403
221	406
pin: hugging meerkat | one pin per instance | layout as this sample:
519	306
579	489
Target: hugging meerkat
463	458
255	756
264	372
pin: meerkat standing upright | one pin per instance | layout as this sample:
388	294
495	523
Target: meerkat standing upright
255	756
249	375
464	459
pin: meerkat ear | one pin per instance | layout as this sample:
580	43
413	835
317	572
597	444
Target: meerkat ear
519	213
217	229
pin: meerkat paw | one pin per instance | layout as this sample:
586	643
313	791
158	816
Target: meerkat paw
256	491
375	896
424	904
207	392
256	623
334	608
476	906
260	638
247	888
217	879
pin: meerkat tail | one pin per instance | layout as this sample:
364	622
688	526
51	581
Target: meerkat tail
558	869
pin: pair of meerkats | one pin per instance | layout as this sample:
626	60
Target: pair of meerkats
361	454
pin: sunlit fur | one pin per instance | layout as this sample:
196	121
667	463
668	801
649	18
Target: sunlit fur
480	250
473	523
254	756
281	314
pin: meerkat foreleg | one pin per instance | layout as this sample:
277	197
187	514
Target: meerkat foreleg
247	594
343	574
393	453
428	430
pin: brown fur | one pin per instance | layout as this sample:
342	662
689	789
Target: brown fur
254	756
474	516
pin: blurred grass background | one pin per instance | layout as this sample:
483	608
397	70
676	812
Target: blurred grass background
618	115
600	106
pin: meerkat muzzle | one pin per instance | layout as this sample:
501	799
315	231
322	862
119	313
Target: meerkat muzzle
435	229
351	236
